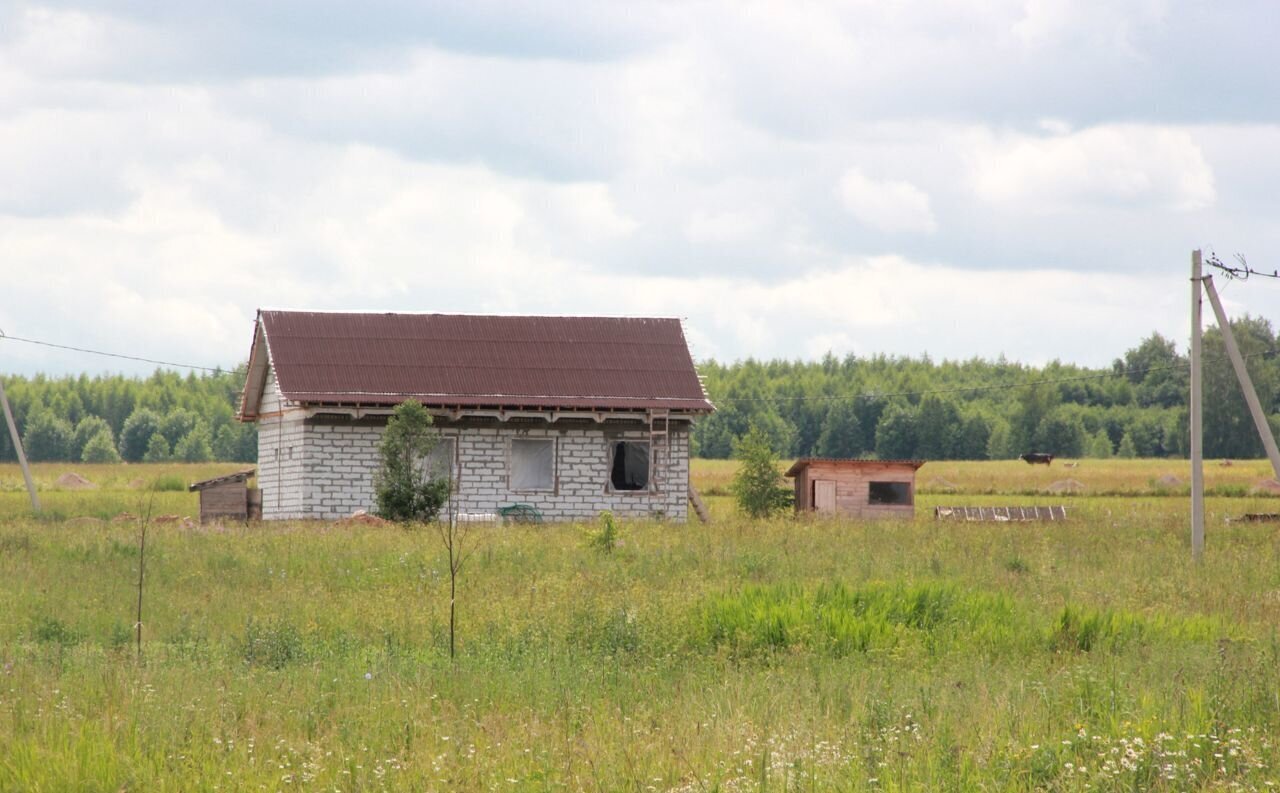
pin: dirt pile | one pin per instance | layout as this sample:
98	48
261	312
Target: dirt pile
74	481
1168	480
362	518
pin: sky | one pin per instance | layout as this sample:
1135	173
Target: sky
957	178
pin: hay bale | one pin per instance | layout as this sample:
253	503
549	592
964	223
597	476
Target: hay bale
1066	486
74	481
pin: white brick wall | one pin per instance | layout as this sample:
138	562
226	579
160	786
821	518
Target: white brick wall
280	456
326	471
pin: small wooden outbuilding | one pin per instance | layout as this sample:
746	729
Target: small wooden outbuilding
856	488
229	496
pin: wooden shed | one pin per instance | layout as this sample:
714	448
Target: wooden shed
856	488
228	496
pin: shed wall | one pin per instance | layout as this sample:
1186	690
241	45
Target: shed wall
226	500
853	485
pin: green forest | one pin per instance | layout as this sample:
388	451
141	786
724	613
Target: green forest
878	406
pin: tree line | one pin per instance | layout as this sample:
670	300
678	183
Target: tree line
109	418
884	406
898	408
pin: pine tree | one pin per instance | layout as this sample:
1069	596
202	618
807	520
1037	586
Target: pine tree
757	486
405	488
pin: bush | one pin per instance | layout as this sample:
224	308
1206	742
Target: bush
195	446
89	428
136	434
756	485
101	448
171	483
47	437
157	450
606	539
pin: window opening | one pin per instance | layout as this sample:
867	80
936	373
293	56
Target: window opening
896	493
441	462
630	469
532	464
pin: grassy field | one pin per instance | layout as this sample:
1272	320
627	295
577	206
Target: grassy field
777	655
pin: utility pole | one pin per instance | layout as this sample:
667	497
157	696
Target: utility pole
17	446
1197	416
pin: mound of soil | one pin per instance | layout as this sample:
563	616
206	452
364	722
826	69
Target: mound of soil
86	521
362	518
74	481
166	519
1066	486
1266	486
1168	480
938	483
137	484
124	517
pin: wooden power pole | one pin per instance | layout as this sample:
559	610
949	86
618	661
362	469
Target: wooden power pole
17	446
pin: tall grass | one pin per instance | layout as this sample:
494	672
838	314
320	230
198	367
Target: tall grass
777	655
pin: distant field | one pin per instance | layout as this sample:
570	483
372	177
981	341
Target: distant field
773	655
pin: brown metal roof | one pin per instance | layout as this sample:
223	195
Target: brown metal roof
804	462
448	360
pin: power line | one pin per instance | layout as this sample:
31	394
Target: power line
6	337
1238	272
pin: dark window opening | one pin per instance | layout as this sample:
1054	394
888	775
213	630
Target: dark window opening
894	493
630	470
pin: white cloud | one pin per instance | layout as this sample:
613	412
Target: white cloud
1155	168
889	205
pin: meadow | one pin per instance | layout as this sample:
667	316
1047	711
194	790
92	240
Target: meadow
744	655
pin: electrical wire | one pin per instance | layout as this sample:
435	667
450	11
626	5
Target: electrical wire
5	337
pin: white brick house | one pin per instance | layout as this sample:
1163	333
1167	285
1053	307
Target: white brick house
570	415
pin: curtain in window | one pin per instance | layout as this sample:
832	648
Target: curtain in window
630	466
532	464
439	463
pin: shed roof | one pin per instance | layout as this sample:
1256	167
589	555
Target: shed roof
805	462
472	361
238	476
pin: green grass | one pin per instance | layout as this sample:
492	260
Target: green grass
774	655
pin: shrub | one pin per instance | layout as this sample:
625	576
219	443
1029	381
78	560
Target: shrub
195	446
170	483
274	644
101	448
157	449
606	539
89	428
136	434
51	630
47	437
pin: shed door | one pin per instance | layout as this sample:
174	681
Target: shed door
824	495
